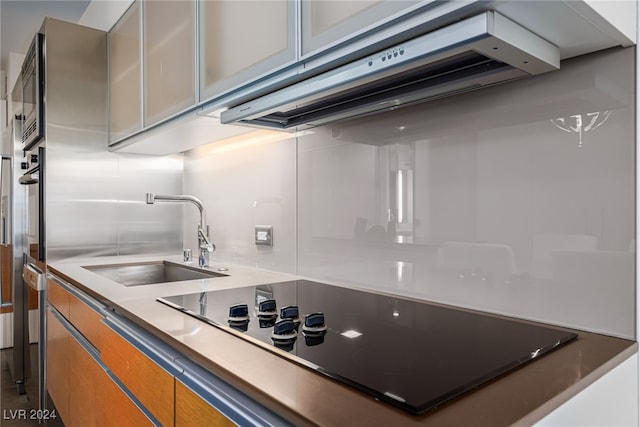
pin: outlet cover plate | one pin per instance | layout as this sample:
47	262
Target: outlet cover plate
263	235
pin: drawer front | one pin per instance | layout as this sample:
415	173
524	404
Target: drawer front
109	407
57	365
86	320
192	411
58	297
151	384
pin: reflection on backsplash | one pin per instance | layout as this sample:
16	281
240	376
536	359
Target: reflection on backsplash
580	124
477	201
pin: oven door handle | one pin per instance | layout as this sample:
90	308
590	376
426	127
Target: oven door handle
33	276
29	179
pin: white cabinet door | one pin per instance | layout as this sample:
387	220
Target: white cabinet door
169	58
125	112
241	41
327	22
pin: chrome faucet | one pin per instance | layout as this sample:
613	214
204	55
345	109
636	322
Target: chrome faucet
205	246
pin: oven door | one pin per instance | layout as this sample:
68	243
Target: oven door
34	237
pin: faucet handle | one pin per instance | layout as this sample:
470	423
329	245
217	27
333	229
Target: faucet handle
187	256
205	244
209	247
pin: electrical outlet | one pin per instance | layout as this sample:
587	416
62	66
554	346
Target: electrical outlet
263	235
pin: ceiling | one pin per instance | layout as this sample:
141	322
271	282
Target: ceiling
21	19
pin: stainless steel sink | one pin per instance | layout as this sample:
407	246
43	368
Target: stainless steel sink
146	273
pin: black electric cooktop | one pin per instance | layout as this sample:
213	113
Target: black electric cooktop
414	355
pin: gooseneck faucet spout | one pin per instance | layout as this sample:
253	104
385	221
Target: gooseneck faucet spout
204	243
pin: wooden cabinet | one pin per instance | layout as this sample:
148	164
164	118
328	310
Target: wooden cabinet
241	41
169	58
58	297
81	389
152	386
74	375
104	370
94	398
57	365
85	319
125	87
193	411
327	22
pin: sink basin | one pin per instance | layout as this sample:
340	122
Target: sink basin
146	273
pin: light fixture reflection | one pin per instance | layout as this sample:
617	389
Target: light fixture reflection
247	140
351	333
399	198
579	123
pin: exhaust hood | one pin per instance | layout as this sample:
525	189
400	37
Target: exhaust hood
476	52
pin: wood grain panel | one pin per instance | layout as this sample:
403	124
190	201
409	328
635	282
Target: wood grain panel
95	400
85	320
58	297
152	385
32	298
192	411
57	363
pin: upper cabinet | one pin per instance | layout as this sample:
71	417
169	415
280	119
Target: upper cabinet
162	66
169	58
241	41
125	112
325	23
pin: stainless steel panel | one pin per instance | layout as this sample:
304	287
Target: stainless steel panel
14	215
95	198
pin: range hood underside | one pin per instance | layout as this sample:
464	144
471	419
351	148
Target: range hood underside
467	72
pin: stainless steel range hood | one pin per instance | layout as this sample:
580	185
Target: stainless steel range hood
477	52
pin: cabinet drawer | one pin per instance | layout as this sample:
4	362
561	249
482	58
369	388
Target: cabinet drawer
86	320
109	407
151	384
57	365
58	297
192	411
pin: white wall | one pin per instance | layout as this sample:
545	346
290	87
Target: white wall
618	12
103	14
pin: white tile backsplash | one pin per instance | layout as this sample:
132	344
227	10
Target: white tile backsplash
477	200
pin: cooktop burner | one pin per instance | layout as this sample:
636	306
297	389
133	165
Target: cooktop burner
414	355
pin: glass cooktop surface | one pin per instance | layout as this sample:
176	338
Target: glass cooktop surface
412	354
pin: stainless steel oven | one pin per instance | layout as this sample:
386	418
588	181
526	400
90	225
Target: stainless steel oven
32	74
